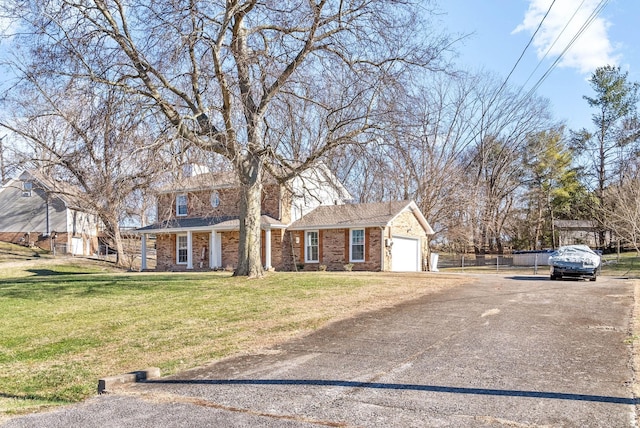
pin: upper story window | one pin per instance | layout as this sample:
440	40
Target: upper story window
311	246
181	205
357	245
27	187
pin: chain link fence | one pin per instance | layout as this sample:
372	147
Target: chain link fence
536	262
494	262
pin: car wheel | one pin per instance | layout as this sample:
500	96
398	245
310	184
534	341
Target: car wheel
592	279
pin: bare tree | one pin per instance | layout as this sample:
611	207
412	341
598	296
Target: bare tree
622	204
613	144
438	126
455	147
94	140
216	71
10	159
505	119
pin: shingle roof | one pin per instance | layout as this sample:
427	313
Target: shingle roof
206	181
575	224
223	222
320	173
71	195
357	215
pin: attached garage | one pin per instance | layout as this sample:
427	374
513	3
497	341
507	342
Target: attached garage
378	236
77	248
405	254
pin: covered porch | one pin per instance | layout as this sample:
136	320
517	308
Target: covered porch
206	243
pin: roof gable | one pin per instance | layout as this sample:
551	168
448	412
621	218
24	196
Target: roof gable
69	194
359	215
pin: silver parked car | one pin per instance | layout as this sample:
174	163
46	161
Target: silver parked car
574	261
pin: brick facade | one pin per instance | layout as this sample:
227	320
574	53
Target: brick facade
62	242
31	239
288	246
334	251
199	203
166	250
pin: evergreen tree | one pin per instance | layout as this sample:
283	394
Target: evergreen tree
613	142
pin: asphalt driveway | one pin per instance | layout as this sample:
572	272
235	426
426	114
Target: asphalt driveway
504	351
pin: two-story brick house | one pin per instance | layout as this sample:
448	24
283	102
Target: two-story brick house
305	224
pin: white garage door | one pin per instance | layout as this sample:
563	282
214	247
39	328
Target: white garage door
76	247
405	255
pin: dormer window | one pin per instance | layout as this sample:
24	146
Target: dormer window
27	187
181	205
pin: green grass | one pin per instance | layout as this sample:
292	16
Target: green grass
18	252
66	324
628	264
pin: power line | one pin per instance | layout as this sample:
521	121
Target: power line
533	36
587	23
554	42
504	83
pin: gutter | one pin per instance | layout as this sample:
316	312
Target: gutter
338	226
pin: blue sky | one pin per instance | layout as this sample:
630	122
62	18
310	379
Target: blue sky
501	30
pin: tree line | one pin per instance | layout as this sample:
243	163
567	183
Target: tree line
118	97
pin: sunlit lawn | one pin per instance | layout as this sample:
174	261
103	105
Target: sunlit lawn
64	326
18	252
626	264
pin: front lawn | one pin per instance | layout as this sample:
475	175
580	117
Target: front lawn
64	325
14	252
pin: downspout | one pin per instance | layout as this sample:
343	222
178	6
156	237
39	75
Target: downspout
383	249
293	253
47	227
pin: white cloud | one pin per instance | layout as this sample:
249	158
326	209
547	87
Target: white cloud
592	49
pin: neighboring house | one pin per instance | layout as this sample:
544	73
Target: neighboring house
574	232
38	211
305	224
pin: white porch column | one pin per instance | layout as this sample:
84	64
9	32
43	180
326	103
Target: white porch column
189	250
143	254
219	250
267	249
215	248
212	250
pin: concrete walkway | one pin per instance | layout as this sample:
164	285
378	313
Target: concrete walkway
504	352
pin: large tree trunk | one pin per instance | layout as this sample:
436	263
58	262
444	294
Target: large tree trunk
112	230
250	171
